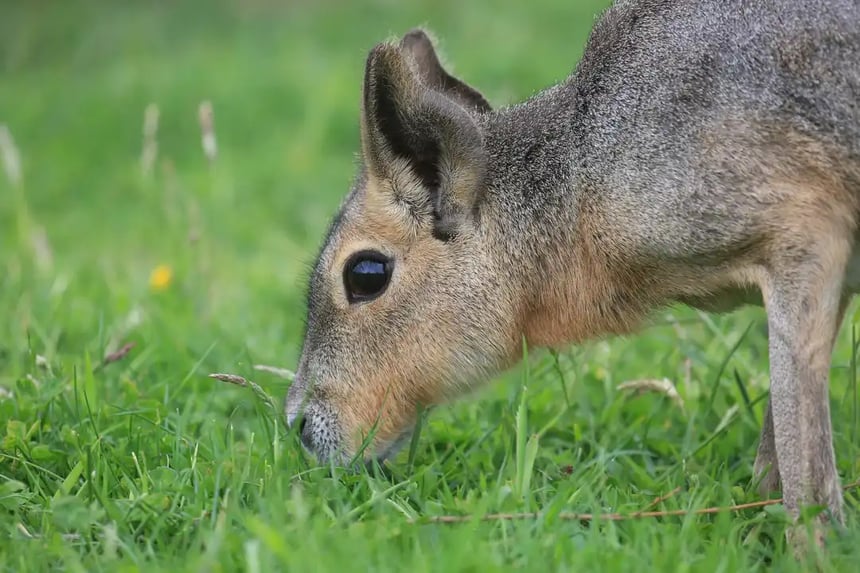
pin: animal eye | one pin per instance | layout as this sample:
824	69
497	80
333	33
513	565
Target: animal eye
366	275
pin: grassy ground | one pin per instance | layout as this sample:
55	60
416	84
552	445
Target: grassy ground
146	464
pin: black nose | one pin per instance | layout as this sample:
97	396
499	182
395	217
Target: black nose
305	432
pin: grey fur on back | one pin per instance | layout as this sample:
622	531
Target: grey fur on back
660	79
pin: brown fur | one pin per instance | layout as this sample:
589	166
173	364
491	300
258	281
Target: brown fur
590	298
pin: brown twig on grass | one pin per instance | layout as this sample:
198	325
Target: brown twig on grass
115	356
569	516
661	498
119	354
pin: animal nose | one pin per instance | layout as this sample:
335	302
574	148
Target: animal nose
305	433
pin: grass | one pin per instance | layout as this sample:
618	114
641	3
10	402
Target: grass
145	463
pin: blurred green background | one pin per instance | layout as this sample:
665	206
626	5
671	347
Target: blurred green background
145	463
284	82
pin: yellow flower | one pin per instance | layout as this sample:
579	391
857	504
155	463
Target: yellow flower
160	277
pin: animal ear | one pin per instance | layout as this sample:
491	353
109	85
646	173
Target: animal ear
419	46
424	142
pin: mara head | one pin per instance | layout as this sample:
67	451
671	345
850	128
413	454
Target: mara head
408	303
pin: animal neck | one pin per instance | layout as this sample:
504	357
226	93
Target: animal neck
570	283
531	147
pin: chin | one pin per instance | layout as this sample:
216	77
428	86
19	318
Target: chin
394	446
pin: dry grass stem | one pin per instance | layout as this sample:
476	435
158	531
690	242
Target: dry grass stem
44	255
569	516
660	499
245	383
662	386
150	138
118	355
280	372
207	128
10	156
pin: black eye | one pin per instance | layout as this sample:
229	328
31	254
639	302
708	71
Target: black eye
366	275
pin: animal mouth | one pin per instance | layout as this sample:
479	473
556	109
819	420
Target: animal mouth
395	445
